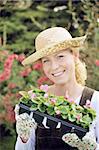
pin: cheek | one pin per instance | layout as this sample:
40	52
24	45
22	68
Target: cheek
69	65
46	70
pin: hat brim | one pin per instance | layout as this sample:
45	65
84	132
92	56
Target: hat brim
73	43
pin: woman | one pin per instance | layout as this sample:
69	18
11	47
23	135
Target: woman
59	54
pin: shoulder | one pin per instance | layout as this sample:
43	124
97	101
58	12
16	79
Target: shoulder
95	100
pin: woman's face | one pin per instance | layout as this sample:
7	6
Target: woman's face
59	67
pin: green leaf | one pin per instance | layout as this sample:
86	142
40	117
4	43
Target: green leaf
63	109
34	107
42	107
24	100
64	116
71	118
50	110
59	101
36	101
73	106
24	94
86	119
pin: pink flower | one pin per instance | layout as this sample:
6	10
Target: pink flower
78	117
46	95
53	100
58	112
31	94
44	88
71	100
97	63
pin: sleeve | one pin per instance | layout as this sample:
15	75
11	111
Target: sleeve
97	147
30	145
95	125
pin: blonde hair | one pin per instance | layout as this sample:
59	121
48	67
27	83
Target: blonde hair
80	71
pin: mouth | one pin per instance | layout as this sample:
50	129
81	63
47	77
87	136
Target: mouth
58	74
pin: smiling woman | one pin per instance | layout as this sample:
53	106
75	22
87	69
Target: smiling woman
59	55
59	68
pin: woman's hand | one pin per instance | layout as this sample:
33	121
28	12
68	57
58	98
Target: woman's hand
24	125
73	140
88	142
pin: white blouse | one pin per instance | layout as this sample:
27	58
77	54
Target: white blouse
30	145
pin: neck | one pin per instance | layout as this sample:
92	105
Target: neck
72	88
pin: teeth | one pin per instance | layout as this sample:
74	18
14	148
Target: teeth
58	74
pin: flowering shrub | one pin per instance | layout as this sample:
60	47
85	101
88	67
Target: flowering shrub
13	78
39	99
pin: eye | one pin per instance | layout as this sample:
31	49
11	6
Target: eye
44	61
61	56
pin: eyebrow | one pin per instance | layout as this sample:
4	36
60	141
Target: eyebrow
60	52
45	57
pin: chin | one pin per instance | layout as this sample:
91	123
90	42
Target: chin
60	82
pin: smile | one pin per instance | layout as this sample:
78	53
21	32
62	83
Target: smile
58	74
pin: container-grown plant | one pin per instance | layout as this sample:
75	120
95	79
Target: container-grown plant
57	109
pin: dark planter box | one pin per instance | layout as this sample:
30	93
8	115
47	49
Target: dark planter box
66	127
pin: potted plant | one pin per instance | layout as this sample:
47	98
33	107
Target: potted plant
73	117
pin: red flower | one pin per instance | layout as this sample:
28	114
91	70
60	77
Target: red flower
4	76
11	85
7	67
25	72
21	57
8	63
37	66
15	56
97	63
41	80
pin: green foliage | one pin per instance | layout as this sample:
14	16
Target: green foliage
54	105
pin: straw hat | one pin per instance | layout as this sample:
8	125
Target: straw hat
53	40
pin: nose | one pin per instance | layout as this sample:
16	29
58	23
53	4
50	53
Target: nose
54	65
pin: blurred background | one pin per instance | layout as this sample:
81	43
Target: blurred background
20	23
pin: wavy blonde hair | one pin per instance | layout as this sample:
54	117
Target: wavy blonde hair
80	72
